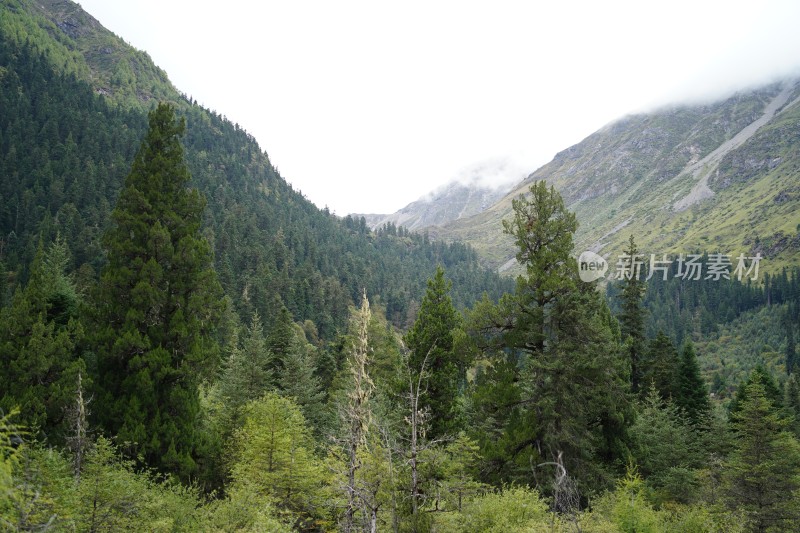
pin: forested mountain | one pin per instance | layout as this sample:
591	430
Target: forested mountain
717	177
69	131
188	344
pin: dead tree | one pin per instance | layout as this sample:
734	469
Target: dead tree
78	441
358	415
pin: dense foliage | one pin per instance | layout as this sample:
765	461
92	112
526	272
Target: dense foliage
66	151
181	351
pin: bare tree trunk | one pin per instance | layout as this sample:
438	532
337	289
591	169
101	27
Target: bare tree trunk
413	451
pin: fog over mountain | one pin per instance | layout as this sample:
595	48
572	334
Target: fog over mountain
475	189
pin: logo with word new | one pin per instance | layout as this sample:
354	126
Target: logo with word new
591	266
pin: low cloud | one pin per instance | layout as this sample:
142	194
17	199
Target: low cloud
766	53
494	173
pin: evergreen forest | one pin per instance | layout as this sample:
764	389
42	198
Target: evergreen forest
188	344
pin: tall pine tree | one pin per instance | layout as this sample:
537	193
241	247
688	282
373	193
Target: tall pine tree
158	303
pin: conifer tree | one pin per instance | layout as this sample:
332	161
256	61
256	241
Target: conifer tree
246	373
78	442
274	457
158	303
758	375
542	228
298	381
357	413
791	349
663	445
555	393
39	337
431	337
791	400
281	337
762	477
631	317
659	366
691	392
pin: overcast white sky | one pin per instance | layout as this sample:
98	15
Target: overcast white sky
365	106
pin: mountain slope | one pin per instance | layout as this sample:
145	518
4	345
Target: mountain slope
76	43
69	128
451	202
722	177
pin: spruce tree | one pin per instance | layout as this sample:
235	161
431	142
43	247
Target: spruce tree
40	335
431	339
631	317
157	306
659	367
758	375
791	351
762	477
691	392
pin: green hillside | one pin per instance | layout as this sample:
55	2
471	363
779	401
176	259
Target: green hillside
719	177
75	43
70	129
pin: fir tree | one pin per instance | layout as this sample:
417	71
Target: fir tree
663	446
246	373
431	338
791	399
281	337
39	338
791	350
691	392
298	381
758	375
763	473
158	303
631	317
659	366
